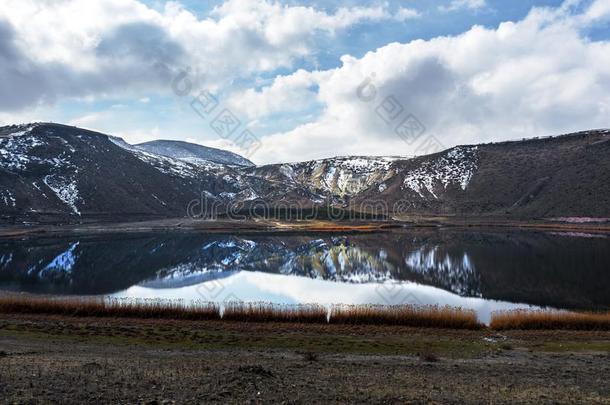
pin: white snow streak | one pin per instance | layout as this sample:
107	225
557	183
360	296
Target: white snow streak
65	189
457	166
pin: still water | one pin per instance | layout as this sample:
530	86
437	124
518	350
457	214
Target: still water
482	270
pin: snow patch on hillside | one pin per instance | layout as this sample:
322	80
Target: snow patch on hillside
65	189
15	149
455	167
287	171
8	198
348	175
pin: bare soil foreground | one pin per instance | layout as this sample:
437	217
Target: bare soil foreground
73	360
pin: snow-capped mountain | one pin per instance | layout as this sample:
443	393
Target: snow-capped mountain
334	179
190	152
57	173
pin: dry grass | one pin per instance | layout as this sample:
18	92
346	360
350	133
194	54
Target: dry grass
524	319
395	315
109	307
267	312
406	315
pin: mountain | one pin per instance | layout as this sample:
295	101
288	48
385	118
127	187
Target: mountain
560	176
57	173
193	153
557	176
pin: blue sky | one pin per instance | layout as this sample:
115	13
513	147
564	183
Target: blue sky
288	71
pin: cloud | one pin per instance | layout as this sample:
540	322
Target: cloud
486	84
90	121
404	14
598	11
140	135
540	75
32	74
463	4
139	42
71	48
292	93
281	24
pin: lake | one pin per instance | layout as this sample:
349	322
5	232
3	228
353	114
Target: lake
485	270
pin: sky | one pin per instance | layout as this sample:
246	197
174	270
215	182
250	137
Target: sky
285	81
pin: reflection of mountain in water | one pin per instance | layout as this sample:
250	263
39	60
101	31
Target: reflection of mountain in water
335	259
439	267
533	268
101	266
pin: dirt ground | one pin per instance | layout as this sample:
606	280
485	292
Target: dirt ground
46	359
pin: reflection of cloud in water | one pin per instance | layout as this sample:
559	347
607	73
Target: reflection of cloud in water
256	286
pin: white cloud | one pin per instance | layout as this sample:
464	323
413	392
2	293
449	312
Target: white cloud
282	24
290	93
107	122
463	4
404	14
537	76
140	135
224	144
485	84
70	48
599	10
90	121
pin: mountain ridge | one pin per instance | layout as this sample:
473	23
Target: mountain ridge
58	174
192	152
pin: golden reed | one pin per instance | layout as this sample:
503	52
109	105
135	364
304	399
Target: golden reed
425	316
527	319
399	315
109	307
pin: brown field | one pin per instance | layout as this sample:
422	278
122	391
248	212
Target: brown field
68	359
550	320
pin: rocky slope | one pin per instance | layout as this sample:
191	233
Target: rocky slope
57	173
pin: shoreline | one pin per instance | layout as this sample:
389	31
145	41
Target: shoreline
419	316
275	227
